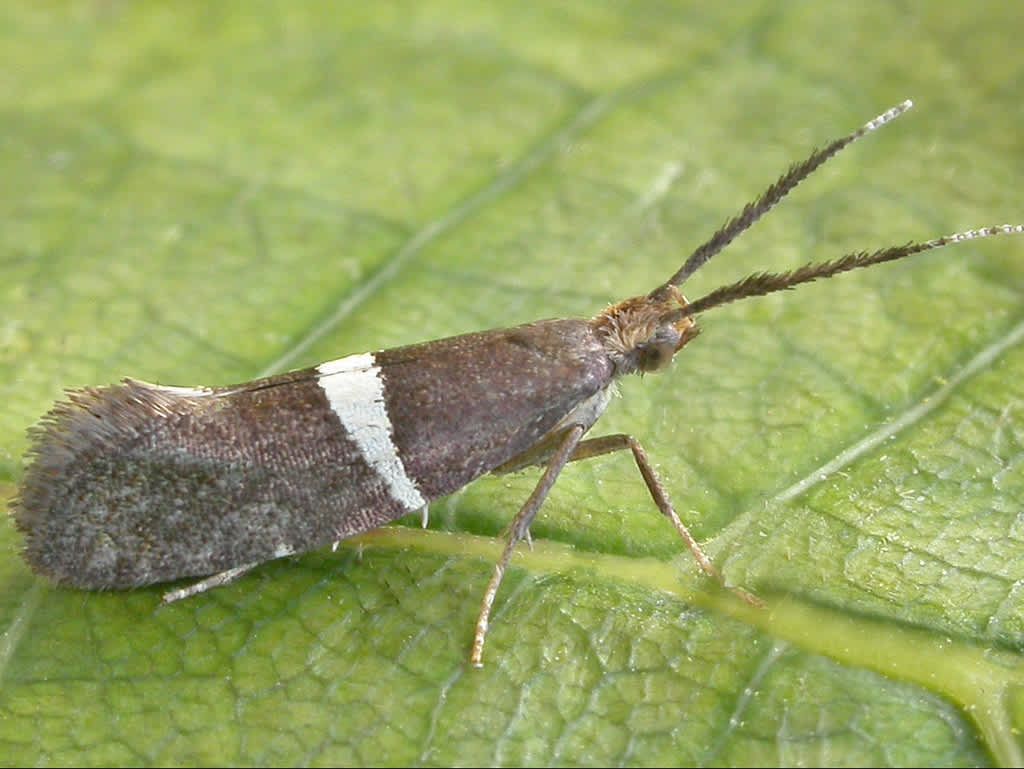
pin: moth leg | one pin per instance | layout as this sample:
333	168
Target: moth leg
608	444
223	578
519	529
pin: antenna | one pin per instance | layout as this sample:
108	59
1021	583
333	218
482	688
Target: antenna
769	199
762	283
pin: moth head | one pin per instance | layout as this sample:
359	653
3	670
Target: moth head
643	334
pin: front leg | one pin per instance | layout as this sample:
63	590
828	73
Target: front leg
556	453
608	444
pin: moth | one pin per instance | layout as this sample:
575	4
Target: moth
136	483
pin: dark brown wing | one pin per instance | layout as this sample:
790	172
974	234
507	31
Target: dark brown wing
135	483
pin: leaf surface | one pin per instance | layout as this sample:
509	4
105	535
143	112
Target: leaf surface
207	193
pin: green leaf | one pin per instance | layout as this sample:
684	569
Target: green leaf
202	193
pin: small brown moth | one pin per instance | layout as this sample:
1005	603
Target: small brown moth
136	483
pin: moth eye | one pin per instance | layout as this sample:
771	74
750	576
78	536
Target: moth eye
658	352
654	357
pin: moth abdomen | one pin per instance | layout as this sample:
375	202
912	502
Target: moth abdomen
136	484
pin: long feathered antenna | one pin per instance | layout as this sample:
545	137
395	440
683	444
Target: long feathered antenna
762	283
769	199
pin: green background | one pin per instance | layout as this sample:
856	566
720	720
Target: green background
205	192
